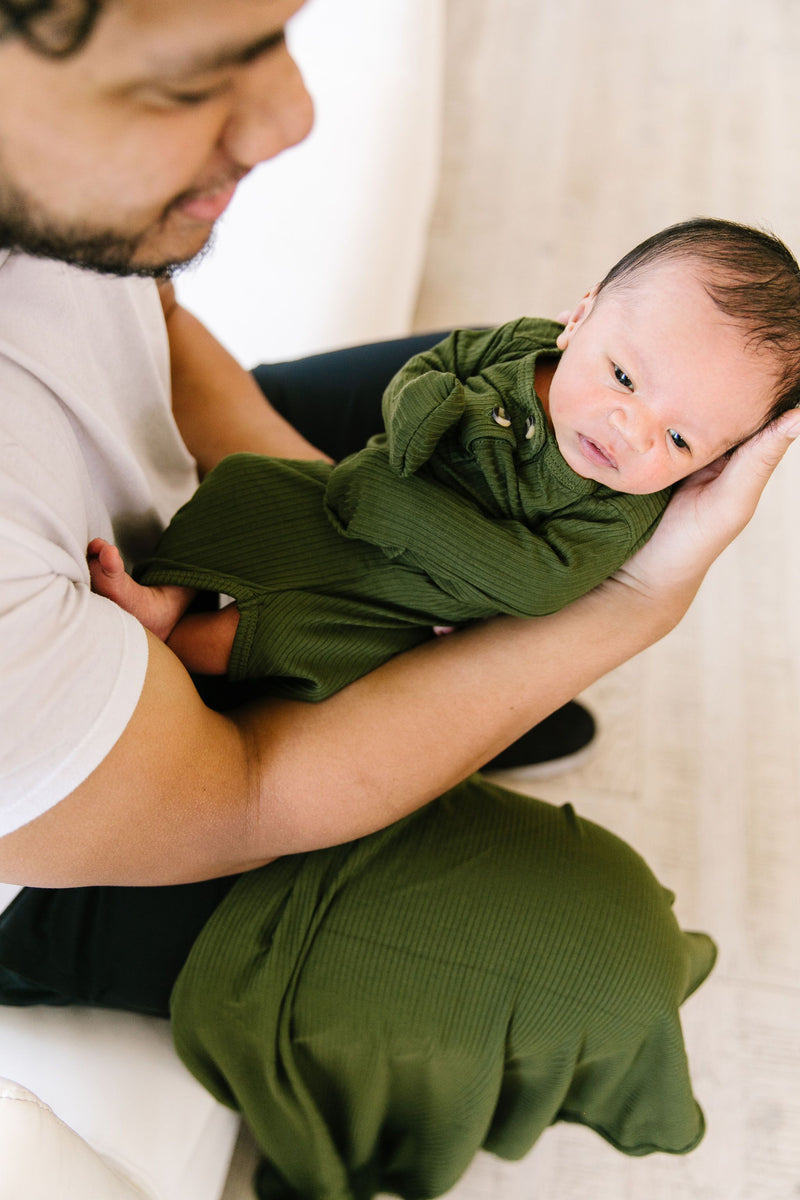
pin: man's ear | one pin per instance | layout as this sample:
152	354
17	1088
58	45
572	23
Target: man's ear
576	318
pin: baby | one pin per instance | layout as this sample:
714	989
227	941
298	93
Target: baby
519	467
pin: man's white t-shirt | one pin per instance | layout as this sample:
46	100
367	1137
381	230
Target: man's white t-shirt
88	448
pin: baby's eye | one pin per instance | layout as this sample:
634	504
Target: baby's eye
622	378
678	440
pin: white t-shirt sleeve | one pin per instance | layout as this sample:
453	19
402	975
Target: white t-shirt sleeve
55	736
72	663
88	448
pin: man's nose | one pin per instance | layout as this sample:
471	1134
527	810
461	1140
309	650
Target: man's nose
273	110
634	425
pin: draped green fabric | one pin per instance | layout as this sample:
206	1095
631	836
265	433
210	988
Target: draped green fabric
447	517
380	1011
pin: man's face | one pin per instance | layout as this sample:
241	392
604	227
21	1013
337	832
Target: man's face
654	382
122	156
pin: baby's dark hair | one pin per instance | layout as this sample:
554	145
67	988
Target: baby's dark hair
54	28
750	275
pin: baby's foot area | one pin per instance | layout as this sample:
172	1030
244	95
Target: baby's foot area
108	574
157	608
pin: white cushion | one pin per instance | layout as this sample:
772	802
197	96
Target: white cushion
7	893
43	1158
325	246
115	1079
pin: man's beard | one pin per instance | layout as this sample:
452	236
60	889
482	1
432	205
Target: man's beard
104	251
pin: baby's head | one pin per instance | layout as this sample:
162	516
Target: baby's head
689	345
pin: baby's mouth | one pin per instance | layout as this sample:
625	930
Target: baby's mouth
595	454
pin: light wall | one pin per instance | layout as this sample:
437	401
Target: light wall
325	246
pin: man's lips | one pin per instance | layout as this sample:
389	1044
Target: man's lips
209	206
595	454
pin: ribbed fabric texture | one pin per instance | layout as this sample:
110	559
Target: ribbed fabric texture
492	964
448	517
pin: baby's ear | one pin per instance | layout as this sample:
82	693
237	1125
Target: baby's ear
576	318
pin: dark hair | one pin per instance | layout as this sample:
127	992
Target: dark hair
55	28
750	275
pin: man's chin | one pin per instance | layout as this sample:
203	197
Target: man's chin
149	263
166	256
152	254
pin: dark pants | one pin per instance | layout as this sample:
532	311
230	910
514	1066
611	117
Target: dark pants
124	947
334	399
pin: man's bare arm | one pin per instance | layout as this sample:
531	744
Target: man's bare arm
217	404
187	793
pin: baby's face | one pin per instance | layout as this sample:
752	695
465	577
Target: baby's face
654	382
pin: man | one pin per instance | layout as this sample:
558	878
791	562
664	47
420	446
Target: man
125	127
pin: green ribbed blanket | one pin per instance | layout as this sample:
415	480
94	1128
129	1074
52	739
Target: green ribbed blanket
382	1010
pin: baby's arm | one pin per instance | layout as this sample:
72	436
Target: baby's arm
202	641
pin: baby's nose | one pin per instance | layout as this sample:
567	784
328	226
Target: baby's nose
634	426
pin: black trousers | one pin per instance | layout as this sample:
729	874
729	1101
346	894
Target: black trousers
124	947
334	399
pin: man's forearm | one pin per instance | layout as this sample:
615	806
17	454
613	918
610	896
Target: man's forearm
218	406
